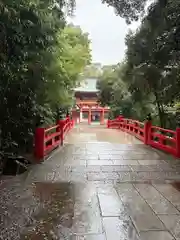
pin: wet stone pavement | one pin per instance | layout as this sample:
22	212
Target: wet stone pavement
102	185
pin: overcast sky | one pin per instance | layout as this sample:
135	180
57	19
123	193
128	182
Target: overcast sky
106	30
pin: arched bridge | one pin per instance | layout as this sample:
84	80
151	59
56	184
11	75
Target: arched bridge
105	182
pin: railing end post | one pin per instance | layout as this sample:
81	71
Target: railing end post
178	142
61	124
147	132
39	143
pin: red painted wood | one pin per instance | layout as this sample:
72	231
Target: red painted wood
147	132
164	139
89	116
39	143
178	142
48	139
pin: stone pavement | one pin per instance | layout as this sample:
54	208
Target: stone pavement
102	185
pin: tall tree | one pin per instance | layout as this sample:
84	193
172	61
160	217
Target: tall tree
70	59
153	57
114	93
37	56
130	10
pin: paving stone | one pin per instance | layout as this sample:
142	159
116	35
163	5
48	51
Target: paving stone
79	162
102	176
84	191
116	157
142	168
142	215
116	168
156	235
158	203
40	175
87	219
99	162
125	162
70	176
170	193
153	168
110	203
129	147
126	176
116	152
104	182
135	156
89	237
55	200
151	162
172	223
160	176
51	202
104	157
86	157
79	168
125	152
163	167
95	168
117	228
173	175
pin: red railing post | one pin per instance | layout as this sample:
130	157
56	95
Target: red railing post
72	123
66	128
178	142
147	132
123	124
89	116
120	117
58	129
108	123
61	124
39	142
69	124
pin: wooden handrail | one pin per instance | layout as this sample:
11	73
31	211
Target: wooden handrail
151	135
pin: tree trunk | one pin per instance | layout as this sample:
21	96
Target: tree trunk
160	111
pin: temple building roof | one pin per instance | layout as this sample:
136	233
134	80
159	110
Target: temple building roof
88	85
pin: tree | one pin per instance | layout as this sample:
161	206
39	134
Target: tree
152	58
26	34
151	71
40	60
92	70
130	10
105	85
115	92
70	59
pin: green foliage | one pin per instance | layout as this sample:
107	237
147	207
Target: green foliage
152	66
70	58
40	60
115	92
131	10
92	71
151	70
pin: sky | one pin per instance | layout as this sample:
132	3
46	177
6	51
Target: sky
106	30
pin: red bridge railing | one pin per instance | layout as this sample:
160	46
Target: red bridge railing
160	138
47	139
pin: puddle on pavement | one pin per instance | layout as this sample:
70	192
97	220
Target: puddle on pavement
54	218
176	185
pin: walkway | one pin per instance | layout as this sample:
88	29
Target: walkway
102	185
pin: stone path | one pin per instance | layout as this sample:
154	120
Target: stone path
102	185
